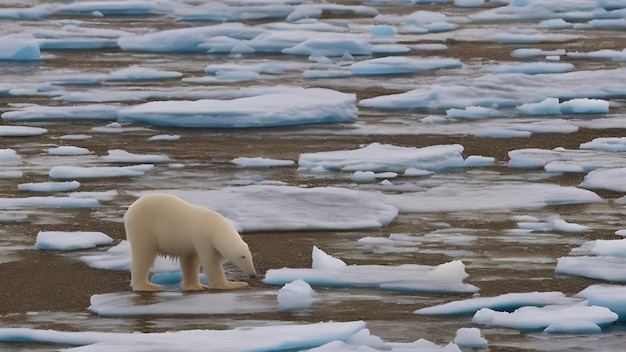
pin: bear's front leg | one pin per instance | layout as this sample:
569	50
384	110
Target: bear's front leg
212	266
189	268
140	271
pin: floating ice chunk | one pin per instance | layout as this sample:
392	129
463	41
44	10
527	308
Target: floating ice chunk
21	131
384	157
298	106
364	176
315	74
54	202
68	150
178	303
447	277
413	172
548	126
253	338
383	30
62	113
489	196
540	158
494	132
117	8
611	296
79	172
611	179
164	137
603	268
472	112
578	327
470	337
329	47
64	241
609	248
295	295
75	136
611	144
104	195
49	186
401	64
505	302
555	23
535	52
621	233
231	76
585	106
561	225
122	156
261	162
539	318
533	68
28	13
477	160
213	11
136	73
11	174
549	106
19	47
118	257
9	156
322	261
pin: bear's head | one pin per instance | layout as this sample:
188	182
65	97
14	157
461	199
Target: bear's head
240	255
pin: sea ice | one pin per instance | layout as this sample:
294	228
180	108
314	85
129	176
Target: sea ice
122	156
261	162
401	65
49	186
9	155
611	269
505	302
295	295
19	47
447	277
55	202
64	241
470	337
609	144
611	296
68	150
79	172
611	179
21	131
533	68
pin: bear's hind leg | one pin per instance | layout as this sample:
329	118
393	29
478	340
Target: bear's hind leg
189	268
140	272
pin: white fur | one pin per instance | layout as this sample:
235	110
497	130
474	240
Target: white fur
167	225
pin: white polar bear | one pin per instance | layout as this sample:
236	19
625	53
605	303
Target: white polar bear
167	225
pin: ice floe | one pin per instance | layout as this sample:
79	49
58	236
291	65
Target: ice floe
63	240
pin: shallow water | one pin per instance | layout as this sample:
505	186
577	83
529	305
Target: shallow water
498	257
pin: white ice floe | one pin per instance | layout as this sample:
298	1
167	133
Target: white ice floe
49	186
610	296
470	337
296	295
19	47
62	113
122	156
9	155
447	277
118	257
609	144
63	241
560	160
612	269
549	318
79	172
505	302
245	338
553	223
611	179
298	106
472	112
459	197
533	68
68	150
137	73
384	157
552	106
401	65
21	131
261	162
55	202
164	137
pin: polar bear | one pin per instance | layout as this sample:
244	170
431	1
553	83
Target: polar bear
167	225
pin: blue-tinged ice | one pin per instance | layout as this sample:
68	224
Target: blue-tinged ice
19	47
576	327
402	64
246	338
49	186
26	13
261	162
385	157
118	257
21	131
117	8
610	144
611	296
62	113
473	112
137	73
531	318
65	241
54	202
80	172
506	302
317	74
447	277
612	269
275	108
220	12
330	46
585	160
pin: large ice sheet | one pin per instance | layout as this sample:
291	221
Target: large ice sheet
298	106
611	296
611	269
264	338
447	277
611	179
505	302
